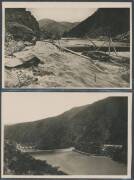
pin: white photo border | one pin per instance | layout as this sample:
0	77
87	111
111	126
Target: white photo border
67	4
129	155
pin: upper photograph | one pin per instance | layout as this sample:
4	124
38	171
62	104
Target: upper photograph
67	45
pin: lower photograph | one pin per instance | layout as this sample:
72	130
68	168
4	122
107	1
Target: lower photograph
66	134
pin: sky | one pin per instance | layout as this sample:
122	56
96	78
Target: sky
30	106
62	14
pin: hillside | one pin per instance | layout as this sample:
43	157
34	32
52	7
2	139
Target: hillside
18	163
104	21
54	28
103	122
21	23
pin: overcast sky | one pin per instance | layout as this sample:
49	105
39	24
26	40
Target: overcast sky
29	106
62	14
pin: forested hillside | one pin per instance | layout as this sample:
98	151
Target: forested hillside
21	23
105	21
16	163
103	122
50	28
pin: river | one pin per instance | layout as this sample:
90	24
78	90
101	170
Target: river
74	163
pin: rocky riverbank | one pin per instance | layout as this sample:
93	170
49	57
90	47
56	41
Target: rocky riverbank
52	67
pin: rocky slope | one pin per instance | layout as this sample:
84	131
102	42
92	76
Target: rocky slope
61	69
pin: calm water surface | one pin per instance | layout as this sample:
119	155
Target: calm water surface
74	163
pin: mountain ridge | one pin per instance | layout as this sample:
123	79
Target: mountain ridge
53	27
101	23
92	123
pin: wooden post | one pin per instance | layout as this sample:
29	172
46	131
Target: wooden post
114	47
95	77
18	79
109	49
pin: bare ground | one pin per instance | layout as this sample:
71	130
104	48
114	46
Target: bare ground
62	69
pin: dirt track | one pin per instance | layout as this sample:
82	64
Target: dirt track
62	69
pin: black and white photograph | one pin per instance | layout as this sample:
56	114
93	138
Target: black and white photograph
67	45
66	134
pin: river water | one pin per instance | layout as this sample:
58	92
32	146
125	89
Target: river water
74	163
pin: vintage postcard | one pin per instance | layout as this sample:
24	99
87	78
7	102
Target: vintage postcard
70	45
66	135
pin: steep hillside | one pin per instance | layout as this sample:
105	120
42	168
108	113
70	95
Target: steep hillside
21	23
102	122
18	163
54	28
113	21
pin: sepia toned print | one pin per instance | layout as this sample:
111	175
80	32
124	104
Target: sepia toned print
67	45
66	135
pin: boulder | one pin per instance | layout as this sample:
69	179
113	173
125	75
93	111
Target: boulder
21	59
